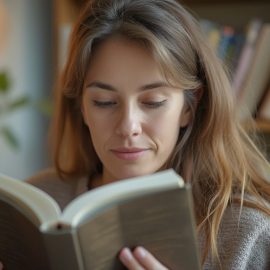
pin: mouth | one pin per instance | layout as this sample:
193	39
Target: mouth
129	153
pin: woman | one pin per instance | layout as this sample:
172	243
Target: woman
142	92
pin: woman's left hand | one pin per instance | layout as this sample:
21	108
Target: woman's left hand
140	259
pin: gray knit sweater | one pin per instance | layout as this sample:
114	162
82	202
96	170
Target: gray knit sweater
243	246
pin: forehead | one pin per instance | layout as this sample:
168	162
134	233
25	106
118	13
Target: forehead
119	56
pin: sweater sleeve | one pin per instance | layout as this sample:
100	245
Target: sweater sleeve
243	241
259	256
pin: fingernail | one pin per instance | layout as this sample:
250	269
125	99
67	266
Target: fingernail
141	252
125	254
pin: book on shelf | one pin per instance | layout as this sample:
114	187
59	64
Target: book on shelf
212	31
257	76
154	211
225	40
246	55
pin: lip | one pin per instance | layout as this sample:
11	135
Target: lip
129	153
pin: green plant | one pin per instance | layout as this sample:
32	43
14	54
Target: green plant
7	106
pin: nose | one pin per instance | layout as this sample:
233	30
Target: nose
129	123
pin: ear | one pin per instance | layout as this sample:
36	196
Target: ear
185	116
187	111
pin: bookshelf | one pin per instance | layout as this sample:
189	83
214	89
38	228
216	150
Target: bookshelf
226	12
190	2
235	13
263	125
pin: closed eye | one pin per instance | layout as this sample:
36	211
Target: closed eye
104	104
154	104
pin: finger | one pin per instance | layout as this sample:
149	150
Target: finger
147	260
1	266
129	261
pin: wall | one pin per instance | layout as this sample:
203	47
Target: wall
27	54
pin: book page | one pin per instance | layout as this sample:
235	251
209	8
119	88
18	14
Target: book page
35	204
97	200
101	239
21	243
162	222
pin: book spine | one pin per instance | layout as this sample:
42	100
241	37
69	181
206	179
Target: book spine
225	41
63	250
258	76
246	55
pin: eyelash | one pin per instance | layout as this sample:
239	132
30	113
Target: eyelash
155	104
107	104
104	104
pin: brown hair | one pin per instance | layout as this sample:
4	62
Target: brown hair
226	164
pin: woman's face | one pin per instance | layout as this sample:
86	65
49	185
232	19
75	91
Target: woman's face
133	114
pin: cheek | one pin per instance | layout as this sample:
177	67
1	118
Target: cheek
98	137
99	131
96	119
102	129
166	127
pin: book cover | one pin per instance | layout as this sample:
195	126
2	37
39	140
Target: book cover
154	211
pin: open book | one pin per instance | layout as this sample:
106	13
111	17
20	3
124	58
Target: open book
153	211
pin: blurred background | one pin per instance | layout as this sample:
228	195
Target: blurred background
26	77
33	46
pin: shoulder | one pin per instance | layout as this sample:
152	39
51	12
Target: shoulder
63	191
48	179
44	176
245	220
244	238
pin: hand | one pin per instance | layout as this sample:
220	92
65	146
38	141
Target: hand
140	259
1	266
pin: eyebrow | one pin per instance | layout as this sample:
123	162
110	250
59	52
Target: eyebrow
108	87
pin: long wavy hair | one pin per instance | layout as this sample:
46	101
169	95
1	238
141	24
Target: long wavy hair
225	163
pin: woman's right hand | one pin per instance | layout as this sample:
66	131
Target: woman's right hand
1	266
140	259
